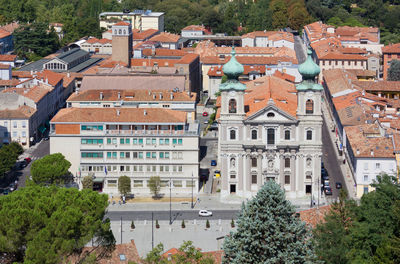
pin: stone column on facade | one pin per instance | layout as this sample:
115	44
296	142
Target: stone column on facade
301	174
225	176
282	168
259	168
317	176
281	134
293	171
239	171
247	174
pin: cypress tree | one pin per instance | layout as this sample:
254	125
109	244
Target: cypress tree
269	232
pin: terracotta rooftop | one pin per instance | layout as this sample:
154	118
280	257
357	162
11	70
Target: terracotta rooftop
216	71
4	33
271	35
163	53
197	28
284	76
4	66
21	74
100	41
132	95
341	56
122	254
23	111
376	86
392	48
52	77
338	80
9	83
165	37
314	216
318	30
10	27
35	93
358	33
144	35
4	57
119	115
366	142
122	23
249	60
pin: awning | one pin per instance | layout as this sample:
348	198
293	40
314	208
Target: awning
98	179
42	129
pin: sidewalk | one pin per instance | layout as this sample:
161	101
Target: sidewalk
346	170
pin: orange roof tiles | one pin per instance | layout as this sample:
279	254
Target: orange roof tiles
122	23
284	76
4	57
271	35
165	37
249	60
194	28
392	48
21	74
9	83
10	27
4	66
340	56
119	115
143	35
52	77
35	93
367	142
217	70
23	111
314	216
101	41
4	33
132	95
387	86
358	33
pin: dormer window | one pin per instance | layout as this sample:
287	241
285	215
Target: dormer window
270	115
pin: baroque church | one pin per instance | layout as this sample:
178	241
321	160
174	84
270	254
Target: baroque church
270	129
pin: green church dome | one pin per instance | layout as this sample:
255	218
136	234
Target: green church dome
233	69
309	69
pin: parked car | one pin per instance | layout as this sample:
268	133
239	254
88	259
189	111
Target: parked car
12	187
214	126
326	183
204	173
205	213
6	191
28	160
213	163
324	177
328	190
206	122
205	114
324	171
338	185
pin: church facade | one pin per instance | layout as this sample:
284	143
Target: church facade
270	129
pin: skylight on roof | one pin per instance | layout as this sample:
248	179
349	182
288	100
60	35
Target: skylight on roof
122	257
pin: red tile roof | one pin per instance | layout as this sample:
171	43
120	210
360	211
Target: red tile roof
340	56
249	60
271	35
115	115
4	57
166	37
314	216
4	66
4	33
23	111
10	27
122	23
284	76
144	35
392	48
35	93
52	77
101	41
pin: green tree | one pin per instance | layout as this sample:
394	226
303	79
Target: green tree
50	169
394	71
269	232
155	185
124	185
45	224
155	255
332	244
8	156
87	182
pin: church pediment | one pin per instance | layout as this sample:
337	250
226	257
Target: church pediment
271	114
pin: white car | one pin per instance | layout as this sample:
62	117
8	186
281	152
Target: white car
205	213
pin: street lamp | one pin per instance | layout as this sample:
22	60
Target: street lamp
170	205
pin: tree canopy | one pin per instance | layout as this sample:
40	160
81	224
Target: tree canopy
50	169
8	156
155	185
364	233
269	232
46	224
394	71
124	185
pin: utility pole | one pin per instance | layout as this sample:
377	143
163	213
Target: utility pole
192	191
152	231
121	229
170	205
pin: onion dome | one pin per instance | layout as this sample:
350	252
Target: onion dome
233	69
309	69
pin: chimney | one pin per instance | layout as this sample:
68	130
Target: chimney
149	92
172	96
118	112
119	95
154	97
372	152
161	97
68	74
358	152
144	112
101	96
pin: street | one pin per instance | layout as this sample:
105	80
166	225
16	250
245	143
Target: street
299	49
176	215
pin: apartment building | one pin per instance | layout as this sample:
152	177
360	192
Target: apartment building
139	19
390	52
268	39
100	46
107	143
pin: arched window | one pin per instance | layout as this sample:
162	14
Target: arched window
120	32
254	134
232	106
309	106
309	135
233	163
115	32
287	134
287	163
232	134
271	136
124	32
271	115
